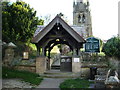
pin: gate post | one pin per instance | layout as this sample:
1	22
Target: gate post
40	65
76	64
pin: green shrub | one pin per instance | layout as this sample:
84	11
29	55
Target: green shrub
33	54
75	83
112	47
26	76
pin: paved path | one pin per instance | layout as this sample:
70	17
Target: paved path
46	83
15	83
51	83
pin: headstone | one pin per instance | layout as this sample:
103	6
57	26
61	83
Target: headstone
112	80
112	77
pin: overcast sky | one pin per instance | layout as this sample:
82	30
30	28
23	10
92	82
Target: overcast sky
104	14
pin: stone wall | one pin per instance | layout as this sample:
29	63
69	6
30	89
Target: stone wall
92	57
31	68
39	67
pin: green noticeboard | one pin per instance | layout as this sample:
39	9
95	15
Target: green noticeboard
92	45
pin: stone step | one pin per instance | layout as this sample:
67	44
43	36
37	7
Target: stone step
55	67
59	74
56	72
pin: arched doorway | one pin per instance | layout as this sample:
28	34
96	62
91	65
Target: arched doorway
50	46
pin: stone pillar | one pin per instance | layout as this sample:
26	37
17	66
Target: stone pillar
40	65
76	65
9	56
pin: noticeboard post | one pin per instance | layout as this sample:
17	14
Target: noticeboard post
92	45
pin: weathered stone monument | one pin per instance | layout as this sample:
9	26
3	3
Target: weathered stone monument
9	54
112	80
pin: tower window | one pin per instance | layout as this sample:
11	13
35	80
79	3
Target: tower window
83	18
79	19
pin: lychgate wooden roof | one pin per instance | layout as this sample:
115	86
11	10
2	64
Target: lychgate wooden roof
59	21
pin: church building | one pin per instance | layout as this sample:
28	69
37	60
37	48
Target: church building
82	18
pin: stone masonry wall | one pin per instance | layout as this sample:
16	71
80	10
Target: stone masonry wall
26	68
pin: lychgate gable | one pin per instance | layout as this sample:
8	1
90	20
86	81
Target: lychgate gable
57	32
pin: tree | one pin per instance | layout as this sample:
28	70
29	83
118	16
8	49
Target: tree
19	22
112	47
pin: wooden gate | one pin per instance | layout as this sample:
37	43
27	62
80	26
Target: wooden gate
66	63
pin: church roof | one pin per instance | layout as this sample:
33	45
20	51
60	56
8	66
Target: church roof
43	30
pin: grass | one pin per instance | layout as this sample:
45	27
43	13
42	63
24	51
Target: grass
75	83
26	76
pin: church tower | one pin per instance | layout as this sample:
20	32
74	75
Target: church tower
82	16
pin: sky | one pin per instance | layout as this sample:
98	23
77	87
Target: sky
104	14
